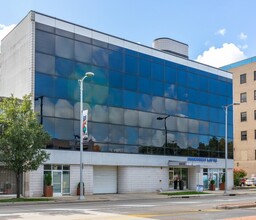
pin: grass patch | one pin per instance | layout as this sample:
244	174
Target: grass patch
184	193
25	200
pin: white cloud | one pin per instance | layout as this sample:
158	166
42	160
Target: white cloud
4	30
217	57
243	47
242	36
221	31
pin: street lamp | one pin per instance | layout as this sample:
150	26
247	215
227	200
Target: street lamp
165	128
80	81
41	108
226	144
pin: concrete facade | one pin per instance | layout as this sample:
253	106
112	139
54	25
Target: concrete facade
244	150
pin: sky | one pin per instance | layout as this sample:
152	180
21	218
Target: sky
218	32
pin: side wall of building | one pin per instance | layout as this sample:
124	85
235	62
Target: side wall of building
17	52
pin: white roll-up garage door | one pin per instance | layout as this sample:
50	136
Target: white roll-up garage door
104	179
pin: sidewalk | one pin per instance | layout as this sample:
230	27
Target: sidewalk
143	196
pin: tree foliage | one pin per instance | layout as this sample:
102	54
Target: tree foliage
22	139
238	174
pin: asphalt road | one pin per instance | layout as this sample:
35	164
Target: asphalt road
170	208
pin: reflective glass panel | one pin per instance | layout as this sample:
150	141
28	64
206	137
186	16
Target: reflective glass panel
131	65
158	104
99	132
115	97
100	56
131	117
83	52
130	82
116	134
64	47
100	113
130	99
45	63
145	68
116	115
157	71
144	85
64	129
145	102
45	42
131	135
64	67
115	79
145	136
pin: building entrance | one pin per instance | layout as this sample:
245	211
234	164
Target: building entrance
178	174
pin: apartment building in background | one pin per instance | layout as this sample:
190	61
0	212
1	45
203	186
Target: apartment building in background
244	91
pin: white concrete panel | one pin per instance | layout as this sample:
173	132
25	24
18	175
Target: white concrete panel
116	41
36	182
142	179
65	26
130	45
45	20
83	31
75	179
100	36
145	50
88	176
158	54
104	179
110	159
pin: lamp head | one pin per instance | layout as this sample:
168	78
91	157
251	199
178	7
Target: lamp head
89	74
159	118
236	103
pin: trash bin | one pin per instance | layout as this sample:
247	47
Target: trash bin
181	184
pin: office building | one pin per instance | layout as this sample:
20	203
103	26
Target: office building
154	115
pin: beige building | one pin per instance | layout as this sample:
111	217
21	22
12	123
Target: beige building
244	91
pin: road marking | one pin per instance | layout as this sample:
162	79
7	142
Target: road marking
185	202
138	205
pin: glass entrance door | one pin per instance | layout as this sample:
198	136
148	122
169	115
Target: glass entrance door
57	182
171	178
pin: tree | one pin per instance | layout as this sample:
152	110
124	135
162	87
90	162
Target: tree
238	174
22	139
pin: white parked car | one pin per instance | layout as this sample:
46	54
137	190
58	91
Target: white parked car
250	182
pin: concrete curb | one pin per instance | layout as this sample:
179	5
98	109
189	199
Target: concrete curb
236	206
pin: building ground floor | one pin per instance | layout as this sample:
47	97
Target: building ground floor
122	173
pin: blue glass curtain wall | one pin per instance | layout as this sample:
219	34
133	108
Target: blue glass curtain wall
125	97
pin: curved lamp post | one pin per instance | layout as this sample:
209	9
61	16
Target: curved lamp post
226	144
81	81
165	127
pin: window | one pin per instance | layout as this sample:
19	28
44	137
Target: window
254	114
254	73
254	94
243	116
254	134
243	78
243	135
243	97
